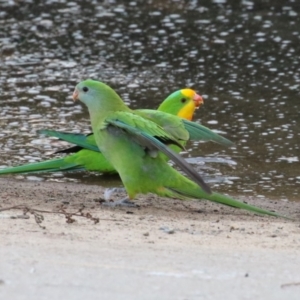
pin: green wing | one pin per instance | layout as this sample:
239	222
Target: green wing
172	124
152	137
199	132
179	128
84	141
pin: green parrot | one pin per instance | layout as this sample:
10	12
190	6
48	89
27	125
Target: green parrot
86	156
134	143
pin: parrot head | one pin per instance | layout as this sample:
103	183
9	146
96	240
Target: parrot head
182	103
86	91
97	95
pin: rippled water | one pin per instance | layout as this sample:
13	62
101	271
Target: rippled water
242	56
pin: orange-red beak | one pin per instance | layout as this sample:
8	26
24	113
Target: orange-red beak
75	95
198	100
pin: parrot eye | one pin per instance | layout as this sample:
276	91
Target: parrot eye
85	89
183	100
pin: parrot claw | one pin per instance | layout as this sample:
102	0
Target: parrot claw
122	203
110	191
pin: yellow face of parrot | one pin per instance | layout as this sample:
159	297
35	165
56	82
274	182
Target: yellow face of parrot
190	102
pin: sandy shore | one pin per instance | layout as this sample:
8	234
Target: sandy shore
165	249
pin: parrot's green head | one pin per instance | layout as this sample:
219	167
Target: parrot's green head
97	95
182	103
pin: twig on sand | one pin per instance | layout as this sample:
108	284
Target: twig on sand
285	285
39	218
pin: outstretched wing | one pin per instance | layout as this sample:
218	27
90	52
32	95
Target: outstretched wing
199	132
183	128
81	140
151	136
172	124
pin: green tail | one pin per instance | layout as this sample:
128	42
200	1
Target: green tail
53	165
197	193
219	198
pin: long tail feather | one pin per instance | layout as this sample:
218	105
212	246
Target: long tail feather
222	199
53	165
219	198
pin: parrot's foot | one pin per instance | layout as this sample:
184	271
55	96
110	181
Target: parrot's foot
123	202
109	192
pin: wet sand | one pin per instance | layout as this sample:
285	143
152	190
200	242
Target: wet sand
165	249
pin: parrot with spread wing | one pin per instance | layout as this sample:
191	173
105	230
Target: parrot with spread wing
136	143
85	155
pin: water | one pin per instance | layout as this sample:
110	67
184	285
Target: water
243	57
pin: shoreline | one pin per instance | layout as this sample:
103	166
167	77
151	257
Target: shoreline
191	249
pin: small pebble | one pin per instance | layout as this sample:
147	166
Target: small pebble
167	230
